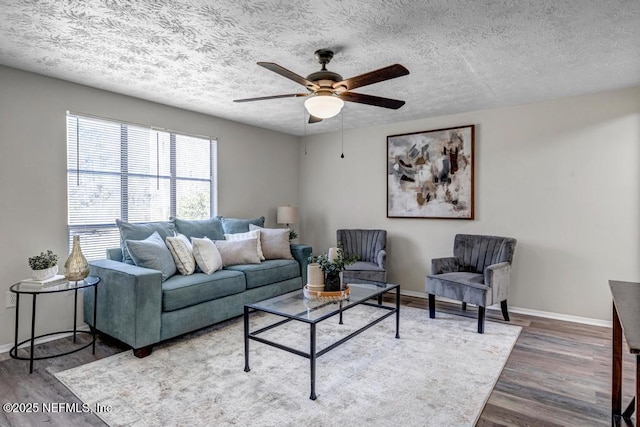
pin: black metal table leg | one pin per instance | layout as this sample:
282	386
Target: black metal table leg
398	312
33	332
75	311
340	322
246	339
15	347
312	359
95	311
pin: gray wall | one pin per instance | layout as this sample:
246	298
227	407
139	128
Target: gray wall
562	176
257	172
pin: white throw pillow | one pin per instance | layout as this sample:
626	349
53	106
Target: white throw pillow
182	253
248	235
206	254
274	242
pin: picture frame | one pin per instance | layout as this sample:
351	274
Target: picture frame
430	174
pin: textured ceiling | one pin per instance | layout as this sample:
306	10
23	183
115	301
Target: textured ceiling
463	55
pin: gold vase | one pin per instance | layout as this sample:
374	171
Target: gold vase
76	268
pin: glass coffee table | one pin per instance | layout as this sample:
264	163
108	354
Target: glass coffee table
294	307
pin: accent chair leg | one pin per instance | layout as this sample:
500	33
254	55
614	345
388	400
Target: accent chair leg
464	306
480	319
505	312
432	306
142	351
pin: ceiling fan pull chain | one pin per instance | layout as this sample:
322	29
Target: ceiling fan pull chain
342	117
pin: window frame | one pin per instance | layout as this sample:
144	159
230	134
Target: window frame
124	173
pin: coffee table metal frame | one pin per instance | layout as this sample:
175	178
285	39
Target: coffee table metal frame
359	297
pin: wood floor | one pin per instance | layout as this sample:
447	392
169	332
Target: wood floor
558	374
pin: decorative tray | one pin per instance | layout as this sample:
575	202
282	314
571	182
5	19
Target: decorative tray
326	296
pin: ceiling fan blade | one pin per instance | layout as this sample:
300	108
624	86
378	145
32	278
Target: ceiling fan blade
378	101
262	98
289	74
386	73
314	119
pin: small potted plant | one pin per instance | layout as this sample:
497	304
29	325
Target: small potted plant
332	264
44	266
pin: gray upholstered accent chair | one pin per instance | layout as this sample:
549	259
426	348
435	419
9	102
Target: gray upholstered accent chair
370	248
479	273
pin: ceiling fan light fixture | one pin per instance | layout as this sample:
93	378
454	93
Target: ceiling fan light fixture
323	106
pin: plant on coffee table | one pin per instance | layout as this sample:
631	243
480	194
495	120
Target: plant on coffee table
332	268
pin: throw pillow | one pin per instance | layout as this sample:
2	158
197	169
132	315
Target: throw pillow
211	228
237	225
274	242
206	254
152	253
238	251
140	231
255	234
182	252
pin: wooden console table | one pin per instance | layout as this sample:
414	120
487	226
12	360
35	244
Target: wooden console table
626	319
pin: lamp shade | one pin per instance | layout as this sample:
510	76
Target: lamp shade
323	106
287	215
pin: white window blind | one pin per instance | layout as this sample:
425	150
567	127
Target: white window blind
136	174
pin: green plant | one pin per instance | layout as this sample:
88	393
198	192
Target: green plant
44	260
292	234
335	266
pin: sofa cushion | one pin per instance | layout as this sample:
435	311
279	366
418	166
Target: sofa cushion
206	254
140	231
274	242
184	291
211	228
237	225
182	252
238	252
268	272
152	253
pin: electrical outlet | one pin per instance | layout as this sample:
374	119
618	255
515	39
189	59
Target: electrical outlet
11	299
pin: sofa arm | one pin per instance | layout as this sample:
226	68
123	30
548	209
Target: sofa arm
301	253
129	302
498	278
381	259
444	265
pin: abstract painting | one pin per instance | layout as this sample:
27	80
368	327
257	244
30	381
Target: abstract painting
430	174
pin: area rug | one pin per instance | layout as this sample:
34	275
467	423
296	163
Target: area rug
440	372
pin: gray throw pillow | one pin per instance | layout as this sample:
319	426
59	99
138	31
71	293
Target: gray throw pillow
140	231
253	234
274	242
152	253
237	225
238	251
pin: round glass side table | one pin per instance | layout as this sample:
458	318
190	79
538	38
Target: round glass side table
27	289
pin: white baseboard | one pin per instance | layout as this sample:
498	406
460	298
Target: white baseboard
6	347
527	311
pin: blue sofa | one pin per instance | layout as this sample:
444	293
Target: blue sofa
136	307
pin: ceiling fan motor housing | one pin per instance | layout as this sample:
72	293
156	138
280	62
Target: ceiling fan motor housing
324	78
328	90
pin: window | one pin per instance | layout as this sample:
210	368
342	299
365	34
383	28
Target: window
136	174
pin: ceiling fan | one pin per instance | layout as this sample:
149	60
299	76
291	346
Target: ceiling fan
328	90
